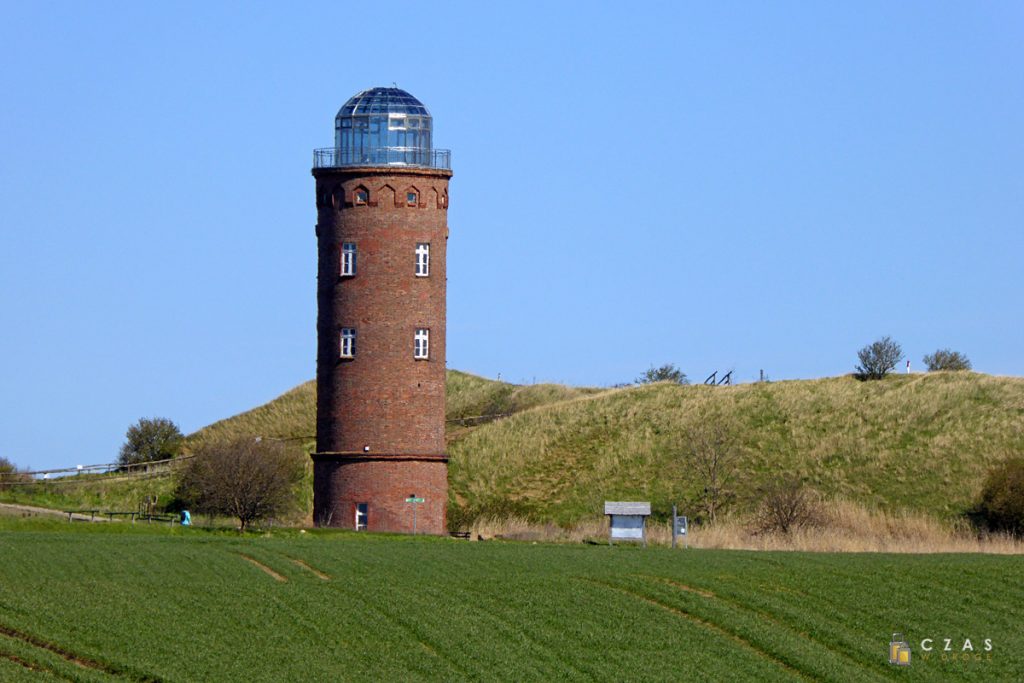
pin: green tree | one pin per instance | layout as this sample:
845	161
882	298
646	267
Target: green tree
944	359
878	358
1002	497
666	373
8	473
150	439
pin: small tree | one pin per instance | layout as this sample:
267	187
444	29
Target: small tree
150	439
944	359
1002	497
246	479
878	358
9	473
787	504
711	451
666	373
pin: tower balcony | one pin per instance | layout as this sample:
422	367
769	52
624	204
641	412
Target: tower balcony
399	157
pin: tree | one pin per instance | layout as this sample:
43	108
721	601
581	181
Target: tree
787	504
944	359
666	373
879	358
247	479
1002	497
150	439
9	473
711	451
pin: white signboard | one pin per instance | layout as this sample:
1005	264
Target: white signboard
626	520
629	527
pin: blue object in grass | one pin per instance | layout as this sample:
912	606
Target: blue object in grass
186	518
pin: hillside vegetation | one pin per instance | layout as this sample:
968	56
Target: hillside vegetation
550	453
921	442
112	602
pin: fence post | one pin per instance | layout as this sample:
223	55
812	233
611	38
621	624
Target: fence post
675	522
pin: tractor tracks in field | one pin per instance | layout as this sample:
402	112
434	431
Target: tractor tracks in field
704	623
712	597
304	565
267	570
78	660
774	621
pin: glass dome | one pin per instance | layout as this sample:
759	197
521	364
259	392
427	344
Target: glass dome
383	126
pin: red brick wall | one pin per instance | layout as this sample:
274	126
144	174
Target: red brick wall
383	484
383	398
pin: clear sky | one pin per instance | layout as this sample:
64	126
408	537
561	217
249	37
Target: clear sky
721	186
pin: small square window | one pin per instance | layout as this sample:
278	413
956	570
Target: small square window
348	259
411	198
348	342
421	344
362	196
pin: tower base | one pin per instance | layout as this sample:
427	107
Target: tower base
372	492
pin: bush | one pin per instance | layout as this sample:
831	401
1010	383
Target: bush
9	473
787	504
1002	498
246	479
150	439
666	373
944	359
878	358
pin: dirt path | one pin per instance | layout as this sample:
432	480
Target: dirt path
15	509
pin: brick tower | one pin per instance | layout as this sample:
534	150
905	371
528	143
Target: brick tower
382	228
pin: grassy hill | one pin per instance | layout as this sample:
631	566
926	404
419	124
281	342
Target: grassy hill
921	442
551	453
160	604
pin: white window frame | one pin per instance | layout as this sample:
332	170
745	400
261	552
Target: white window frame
412	198
348	259
421	344
362	516
423	259
347	342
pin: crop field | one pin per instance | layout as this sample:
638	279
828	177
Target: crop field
113	603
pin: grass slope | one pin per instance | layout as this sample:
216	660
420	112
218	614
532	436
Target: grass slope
552	453
921	442
186	605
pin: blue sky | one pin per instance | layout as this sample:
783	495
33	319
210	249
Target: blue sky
721	186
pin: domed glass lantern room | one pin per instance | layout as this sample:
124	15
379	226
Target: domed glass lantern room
383	127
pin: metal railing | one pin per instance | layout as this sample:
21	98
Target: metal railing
333	157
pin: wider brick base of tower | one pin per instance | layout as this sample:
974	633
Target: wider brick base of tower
383	483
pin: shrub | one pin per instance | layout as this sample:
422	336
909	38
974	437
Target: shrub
944	359
150	439
666	373
9	473
1002	497
787	504
246	479
878	358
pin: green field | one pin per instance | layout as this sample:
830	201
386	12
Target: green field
117	603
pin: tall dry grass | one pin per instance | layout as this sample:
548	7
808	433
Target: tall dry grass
845	527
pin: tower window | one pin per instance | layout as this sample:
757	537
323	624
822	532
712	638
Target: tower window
362	514
421	344
422	259
348	342
362	195
411	198
348	259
